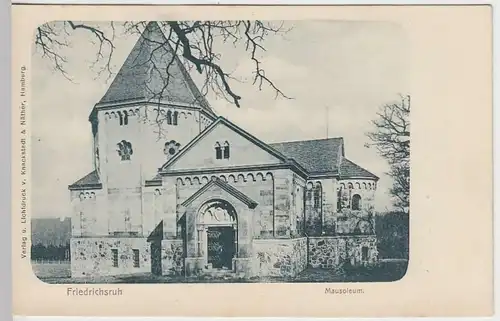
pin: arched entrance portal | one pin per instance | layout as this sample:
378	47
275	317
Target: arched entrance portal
217	234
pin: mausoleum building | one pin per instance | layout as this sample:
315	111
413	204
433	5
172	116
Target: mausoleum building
179	190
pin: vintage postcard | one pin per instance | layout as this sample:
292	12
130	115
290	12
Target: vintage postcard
252	161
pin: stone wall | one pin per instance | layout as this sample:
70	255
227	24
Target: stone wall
282	258
299	255
195	254
298	220
93	256
259	186
329	206
330	252
365	188
123	206
155	136
148	139
88	215
172	257
355	222
320	217
243	151
283	210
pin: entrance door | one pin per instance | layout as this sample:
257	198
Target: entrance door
220	247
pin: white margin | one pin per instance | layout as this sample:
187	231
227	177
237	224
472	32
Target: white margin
5	139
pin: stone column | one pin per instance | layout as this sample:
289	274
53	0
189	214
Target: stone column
329	206
244	235
102	128
266	207
193	262
243	260
282	203
169	206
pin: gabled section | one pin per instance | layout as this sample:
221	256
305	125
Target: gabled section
224	186
200	153
155	181
349	169
89	181
319	156
153	72
157	233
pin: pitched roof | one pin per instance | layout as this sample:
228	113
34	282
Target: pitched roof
151	64
233	127
225	186
155	181
90	180
316	156
350	169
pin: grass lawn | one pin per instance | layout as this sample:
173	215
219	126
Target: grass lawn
386	271
50	270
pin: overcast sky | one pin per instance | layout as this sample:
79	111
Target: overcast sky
351	68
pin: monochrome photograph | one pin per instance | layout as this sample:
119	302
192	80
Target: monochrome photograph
214	151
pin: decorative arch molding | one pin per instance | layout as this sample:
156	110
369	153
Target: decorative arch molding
313	203
358	184
87	195
314	190
224	186
217	234
171	116
318	196
122	116
355	194
217	212
241	177
269	176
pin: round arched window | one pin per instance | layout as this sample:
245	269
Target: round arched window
356	202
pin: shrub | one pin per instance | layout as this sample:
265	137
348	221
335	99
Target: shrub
393	235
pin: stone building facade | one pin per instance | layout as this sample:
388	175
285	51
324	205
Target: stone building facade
179	190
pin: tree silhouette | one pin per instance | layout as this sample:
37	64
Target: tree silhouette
49	252
392	140
197	42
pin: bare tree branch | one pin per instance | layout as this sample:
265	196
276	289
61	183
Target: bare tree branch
391	137
103	42
200	62
196	41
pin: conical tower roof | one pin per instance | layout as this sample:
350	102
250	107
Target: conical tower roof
153	72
